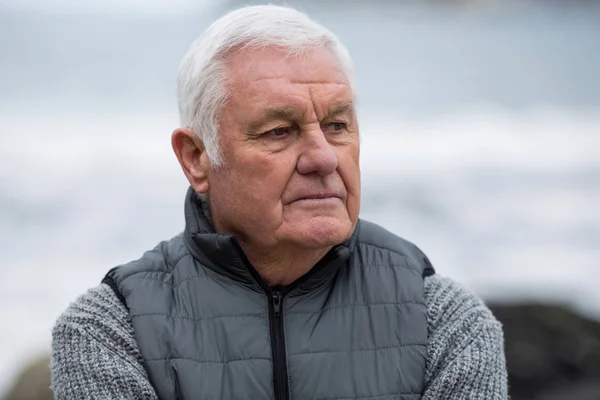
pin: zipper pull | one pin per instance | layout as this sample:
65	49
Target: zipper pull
277	303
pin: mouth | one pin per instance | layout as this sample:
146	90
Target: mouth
318	197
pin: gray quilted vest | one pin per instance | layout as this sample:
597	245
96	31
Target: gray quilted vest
208	326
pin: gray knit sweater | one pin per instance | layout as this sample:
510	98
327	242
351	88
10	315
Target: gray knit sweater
95	355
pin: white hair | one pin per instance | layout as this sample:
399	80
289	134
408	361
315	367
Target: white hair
201	83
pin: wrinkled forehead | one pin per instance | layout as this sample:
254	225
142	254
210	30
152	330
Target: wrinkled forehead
266	76
317	65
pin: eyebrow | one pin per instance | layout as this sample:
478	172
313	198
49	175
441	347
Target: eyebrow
339	109
289	113
280	113
284	113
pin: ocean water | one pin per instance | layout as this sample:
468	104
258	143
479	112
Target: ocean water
480	143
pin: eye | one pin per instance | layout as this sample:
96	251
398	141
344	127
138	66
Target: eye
280	132
335	127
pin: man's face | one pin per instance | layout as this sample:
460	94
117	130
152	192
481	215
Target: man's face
290	147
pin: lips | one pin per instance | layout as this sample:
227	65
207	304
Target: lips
317	197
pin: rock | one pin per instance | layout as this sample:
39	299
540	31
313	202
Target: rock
33	382
552	352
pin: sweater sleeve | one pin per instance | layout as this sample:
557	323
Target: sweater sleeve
465	352
94	352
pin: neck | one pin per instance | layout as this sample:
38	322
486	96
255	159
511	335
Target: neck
280	267
276	266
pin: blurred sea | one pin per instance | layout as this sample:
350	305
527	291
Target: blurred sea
480	143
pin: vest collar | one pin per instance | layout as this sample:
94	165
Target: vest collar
223	254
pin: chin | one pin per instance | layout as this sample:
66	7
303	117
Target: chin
324	232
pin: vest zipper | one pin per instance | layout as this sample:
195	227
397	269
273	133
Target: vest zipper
280	373
280	377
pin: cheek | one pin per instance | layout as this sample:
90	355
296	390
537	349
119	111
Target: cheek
274	173
349	169
265	177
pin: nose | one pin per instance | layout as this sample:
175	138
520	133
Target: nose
317	154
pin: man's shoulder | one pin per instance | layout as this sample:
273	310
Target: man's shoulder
373	235
161	259
450	303
99	306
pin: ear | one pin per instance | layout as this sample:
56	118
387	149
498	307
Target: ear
192	157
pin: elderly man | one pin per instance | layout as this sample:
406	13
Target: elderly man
275	289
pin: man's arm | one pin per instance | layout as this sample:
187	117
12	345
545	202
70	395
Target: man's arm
94	352
465	352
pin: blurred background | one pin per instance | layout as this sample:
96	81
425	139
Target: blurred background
480	125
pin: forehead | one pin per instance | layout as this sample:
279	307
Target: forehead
267	75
